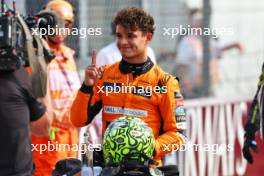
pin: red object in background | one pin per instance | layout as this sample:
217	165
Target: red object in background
257	168
221	122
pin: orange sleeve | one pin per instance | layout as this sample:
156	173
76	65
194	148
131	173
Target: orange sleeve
79	109
174	122
86	105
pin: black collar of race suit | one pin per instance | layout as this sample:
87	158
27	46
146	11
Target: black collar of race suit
135	69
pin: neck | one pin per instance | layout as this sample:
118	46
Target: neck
54	46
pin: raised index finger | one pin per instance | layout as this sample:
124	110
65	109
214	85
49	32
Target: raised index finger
94	57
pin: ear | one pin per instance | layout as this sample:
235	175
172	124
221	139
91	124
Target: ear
149	36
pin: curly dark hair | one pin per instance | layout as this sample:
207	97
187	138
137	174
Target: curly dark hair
135	18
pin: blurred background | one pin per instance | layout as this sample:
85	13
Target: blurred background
238	71
237	68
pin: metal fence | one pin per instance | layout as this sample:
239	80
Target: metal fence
171	13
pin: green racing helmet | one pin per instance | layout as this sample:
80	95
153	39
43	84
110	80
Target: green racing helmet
127	136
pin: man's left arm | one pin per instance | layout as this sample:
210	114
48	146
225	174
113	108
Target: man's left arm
173	116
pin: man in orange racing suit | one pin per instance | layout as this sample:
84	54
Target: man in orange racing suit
63	85
134	86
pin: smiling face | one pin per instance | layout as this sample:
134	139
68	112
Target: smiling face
132	44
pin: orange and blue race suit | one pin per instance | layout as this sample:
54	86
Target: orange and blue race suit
148	93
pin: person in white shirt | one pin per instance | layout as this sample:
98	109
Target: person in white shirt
189	59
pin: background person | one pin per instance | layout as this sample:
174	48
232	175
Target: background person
63	84
19	107
189	58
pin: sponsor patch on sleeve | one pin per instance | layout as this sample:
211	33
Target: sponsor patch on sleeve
181	125
180	119
179	103
179	111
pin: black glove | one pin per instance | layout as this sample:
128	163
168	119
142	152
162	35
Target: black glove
249	142
98	158
170	170
69	166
